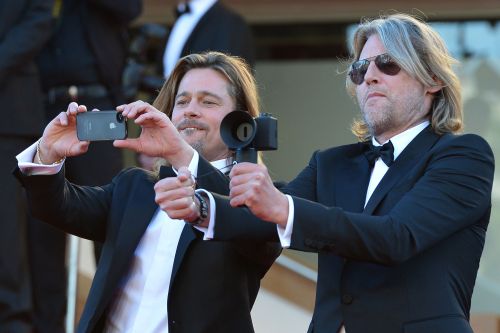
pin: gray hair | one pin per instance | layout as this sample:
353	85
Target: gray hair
421	52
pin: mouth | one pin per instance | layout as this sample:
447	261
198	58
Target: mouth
189	130
190	126
374	94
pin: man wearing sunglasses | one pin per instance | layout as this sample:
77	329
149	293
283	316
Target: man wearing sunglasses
399	218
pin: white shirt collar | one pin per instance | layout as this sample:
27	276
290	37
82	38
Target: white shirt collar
200	7
223	165
402	140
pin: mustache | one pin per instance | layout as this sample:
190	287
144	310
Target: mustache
186	123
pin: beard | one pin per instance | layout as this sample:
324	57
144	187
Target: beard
391	114
198	145
378	121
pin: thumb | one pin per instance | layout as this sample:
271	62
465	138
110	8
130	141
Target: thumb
184	174
132	144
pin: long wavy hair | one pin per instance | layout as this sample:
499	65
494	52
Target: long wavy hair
421	52
242	86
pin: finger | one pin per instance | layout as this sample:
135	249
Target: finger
62	118
185	175
125	108
72	107
82	108
243	167
132	144
187	214
173	199
144	117
172	188
178	204
237	201
133	109
248	178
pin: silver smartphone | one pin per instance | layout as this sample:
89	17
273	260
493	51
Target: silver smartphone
101	126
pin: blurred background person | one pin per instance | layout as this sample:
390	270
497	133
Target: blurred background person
83	62
24	28
207	25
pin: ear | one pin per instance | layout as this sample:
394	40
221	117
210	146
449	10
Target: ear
438	85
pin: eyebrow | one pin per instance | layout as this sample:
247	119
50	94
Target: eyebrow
202	92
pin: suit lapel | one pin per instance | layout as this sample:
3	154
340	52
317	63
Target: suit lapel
187	236
351	181
403	164
139	213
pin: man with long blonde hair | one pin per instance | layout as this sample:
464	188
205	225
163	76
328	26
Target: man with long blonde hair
398	219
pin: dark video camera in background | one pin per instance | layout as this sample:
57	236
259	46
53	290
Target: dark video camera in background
246	135
141	74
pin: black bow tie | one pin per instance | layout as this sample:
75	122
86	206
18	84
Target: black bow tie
182	8
385	152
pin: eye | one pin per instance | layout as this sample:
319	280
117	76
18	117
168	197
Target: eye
181	101
209	102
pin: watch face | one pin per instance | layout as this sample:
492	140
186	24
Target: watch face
203	206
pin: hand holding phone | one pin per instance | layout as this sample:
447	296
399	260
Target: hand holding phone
101	126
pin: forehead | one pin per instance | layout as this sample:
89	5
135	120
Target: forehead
203	79
372	47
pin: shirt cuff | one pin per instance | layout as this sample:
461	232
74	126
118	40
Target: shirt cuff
193	165
208	231
285	234
27	167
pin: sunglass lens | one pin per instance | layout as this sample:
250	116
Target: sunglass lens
358	71
387	65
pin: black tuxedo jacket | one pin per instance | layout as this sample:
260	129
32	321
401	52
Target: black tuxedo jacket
24	27
213	284
408	261
223	30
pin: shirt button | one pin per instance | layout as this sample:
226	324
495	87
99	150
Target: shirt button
347	299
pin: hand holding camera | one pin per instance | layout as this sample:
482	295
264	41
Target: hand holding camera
59	138
158	138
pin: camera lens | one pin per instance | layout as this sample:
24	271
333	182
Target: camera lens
119	117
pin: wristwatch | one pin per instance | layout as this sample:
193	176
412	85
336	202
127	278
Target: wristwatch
203	209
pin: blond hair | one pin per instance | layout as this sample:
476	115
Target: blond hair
421	52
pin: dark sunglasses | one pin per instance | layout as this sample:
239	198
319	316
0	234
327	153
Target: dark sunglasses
384	63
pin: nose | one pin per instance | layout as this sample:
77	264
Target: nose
192	110
372	73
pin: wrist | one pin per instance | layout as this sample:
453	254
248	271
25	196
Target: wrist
281	215
203	209
45	158
181	158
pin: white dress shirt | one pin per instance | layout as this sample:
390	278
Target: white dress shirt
182	29
399	142
141	304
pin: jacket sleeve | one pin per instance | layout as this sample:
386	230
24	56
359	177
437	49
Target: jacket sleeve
453	193
79	210
262	251
25	38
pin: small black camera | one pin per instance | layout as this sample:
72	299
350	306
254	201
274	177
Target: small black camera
246	135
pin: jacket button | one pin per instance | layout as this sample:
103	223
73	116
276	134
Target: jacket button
347	299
